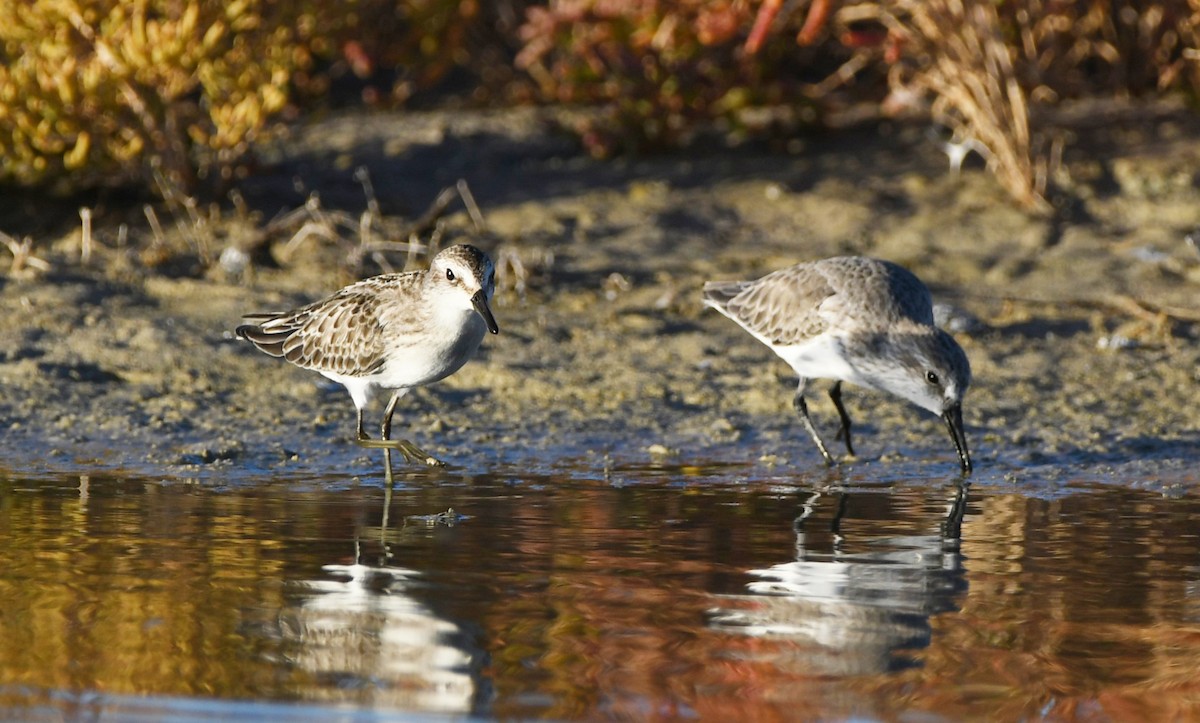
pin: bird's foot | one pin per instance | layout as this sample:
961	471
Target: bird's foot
415	454
411	452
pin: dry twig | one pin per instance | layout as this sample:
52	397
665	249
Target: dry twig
24	263
959	56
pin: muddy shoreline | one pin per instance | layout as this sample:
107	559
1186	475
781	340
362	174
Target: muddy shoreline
1080	327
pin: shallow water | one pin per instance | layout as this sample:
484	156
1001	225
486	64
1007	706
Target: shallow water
647	591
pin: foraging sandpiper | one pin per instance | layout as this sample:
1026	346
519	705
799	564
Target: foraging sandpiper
858	320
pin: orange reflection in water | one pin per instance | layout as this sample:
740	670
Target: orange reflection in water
668	598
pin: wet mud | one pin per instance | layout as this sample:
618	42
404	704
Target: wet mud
1080	326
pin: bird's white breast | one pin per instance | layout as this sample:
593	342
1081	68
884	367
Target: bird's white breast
821	357
437	351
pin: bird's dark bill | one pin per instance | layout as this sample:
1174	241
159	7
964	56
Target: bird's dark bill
479	301
953	418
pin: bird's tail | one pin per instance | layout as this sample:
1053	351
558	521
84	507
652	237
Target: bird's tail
268	340
718	294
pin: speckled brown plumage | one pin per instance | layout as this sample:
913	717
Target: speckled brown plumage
343	334
392	332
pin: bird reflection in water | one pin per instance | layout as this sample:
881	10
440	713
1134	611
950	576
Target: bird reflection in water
853	613
363	627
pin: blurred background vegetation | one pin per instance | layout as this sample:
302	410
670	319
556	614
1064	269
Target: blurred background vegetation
173	94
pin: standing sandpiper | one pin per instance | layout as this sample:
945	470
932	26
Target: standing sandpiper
393	332
858	320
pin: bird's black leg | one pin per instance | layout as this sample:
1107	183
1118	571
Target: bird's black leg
802	410
835	393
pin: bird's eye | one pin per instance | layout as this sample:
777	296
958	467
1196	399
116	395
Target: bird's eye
450	274
931	377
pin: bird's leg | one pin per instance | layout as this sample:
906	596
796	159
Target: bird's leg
385	431
835	393
362	436
390	482
411	452
802	410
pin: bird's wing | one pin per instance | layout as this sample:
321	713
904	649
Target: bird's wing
338	334
871	293
781	308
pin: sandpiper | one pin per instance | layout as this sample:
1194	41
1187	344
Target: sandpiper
858	320
392	332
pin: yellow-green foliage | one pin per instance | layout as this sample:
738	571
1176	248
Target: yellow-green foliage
106	91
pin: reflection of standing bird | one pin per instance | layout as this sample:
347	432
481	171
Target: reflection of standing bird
393	331
858	320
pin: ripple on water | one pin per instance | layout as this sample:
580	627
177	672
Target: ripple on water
603	588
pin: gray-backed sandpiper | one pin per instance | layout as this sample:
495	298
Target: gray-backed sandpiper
858	320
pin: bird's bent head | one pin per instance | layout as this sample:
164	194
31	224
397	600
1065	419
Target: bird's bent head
933	373
466	274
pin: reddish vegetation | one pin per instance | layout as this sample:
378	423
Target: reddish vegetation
659	71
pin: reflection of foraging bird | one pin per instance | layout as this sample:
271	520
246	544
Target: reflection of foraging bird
858	320
393	331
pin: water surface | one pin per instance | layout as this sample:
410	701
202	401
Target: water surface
663	592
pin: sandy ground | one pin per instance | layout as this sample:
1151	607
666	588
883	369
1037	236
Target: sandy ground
1079	327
